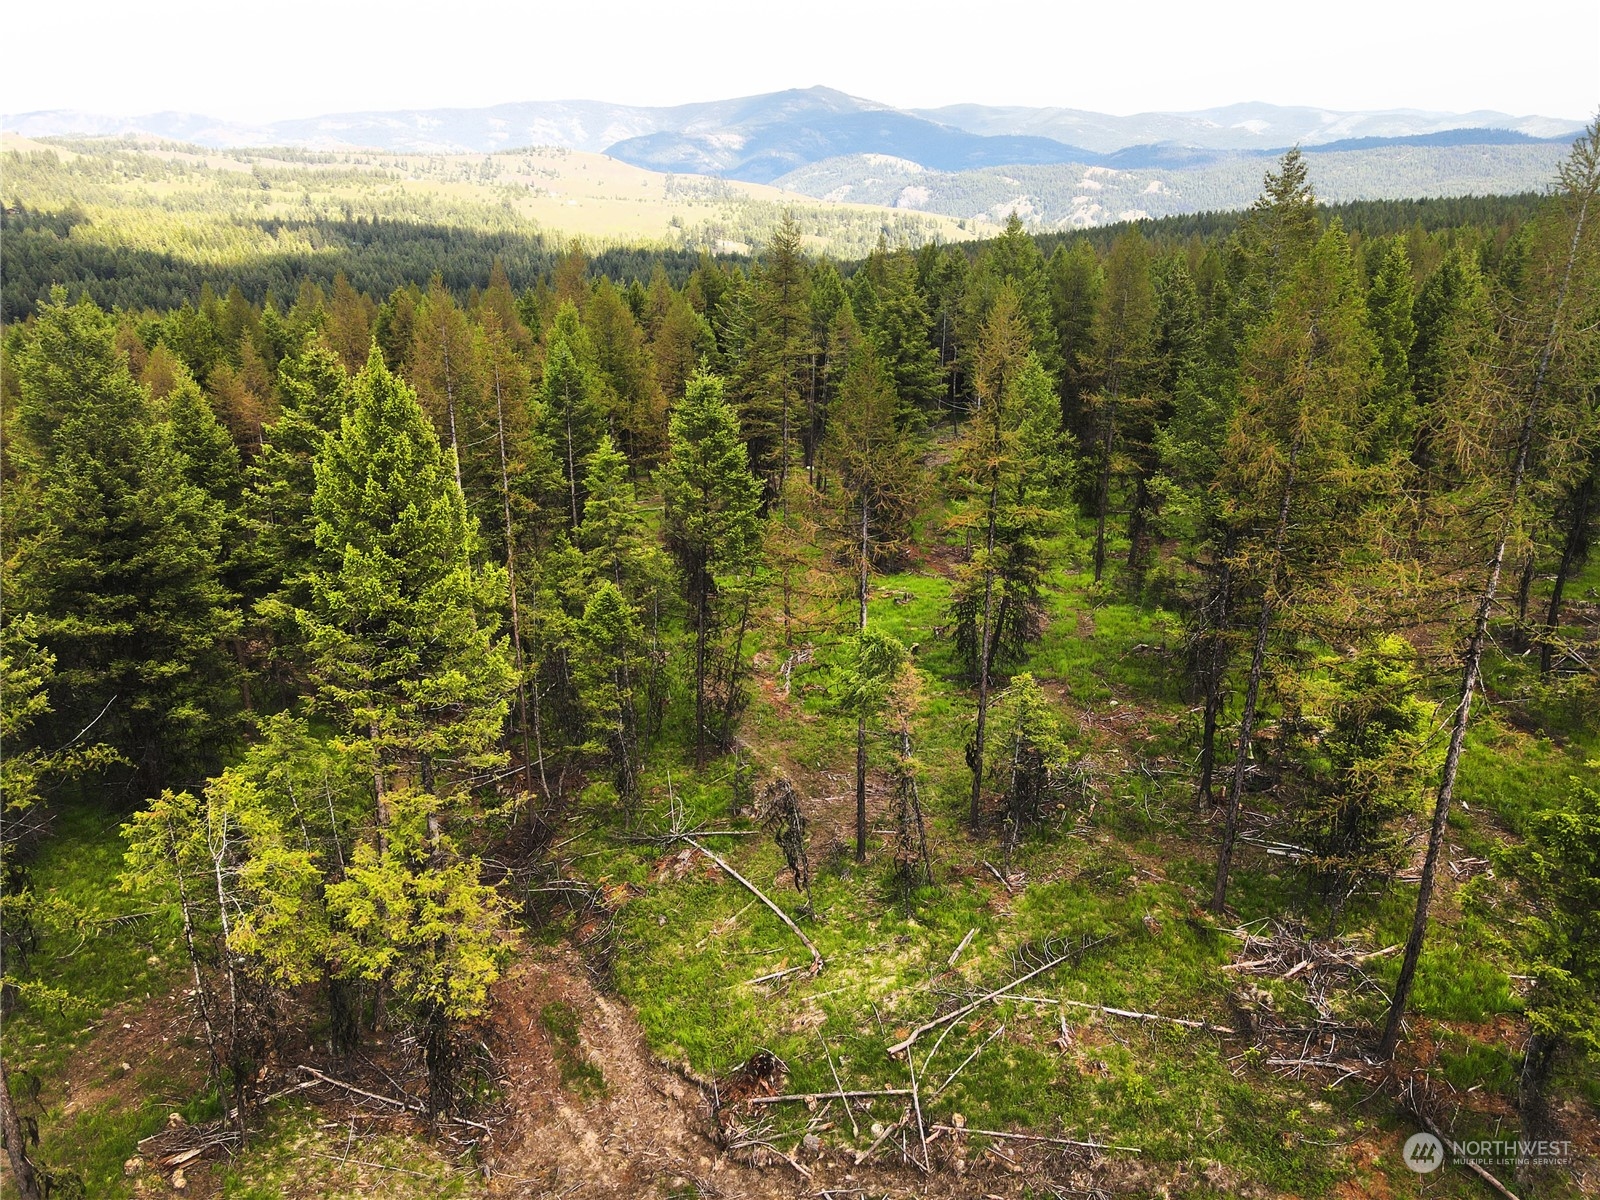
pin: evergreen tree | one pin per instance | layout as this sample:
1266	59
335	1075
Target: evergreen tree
610	677
1011	462
772	365
1288	468
1544	369
1123	332
712	503
1074	279
398	626
872	662
116	555
639	411
570	416
884	295
1390	419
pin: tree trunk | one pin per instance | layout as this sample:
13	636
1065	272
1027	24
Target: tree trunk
1537	1059
511	583
23	1173
1574	549
861	717
1215	662
975	811
1102	500
700	668
1529	573
1138	524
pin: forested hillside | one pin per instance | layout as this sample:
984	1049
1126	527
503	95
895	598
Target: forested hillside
1081	716
141	224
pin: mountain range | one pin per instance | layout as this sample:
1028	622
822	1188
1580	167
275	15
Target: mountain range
1057	166
758	138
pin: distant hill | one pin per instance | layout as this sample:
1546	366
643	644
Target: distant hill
1081	195
964	160
1252	126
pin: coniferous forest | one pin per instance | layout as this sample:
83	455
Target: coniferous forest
1106	713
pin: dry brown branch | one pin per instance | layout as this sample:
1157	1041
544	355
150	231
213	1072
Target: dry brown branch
1186	1022
1035	1137
910	1040
816	955
1410	1103
956	953
855	1129
951	1077
813	1097
408	1105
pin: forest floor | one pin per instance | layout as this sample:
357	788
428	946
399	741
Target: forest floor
633	1039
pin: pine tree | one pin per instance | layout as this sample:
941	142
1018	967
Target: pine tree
772	365
1012	462
1559	865
1074	279
570	416
1032	771
315	396
399	627
884	296
1288	467
610	678
1123	333
1390	418
639	412
871	664
1011	259
712	503
117	555
442	366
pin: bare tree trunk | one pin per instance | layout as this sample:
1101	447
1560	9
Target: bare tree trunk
23	1173
700	668
1532	1108
1252	692
1216	661
725	731
861	717
975	810
194	960
1574	549
511	581
1102	499
1524	593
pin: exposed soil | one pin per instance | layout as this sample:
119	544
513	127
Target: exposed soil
651	1134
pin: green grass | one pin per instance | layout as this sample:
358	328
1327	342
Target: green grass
299	1154
96	971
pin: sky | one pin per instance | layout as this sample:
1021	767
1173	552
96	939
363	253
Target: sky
299	58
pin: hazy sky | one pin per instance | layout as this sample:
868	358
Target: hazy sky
290	58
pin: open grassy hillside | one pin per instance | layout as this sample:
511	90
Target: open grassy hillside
220	209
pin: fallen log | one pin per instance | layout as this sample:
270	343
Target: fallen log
1035	1137
816	955
910	1040
813	1097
